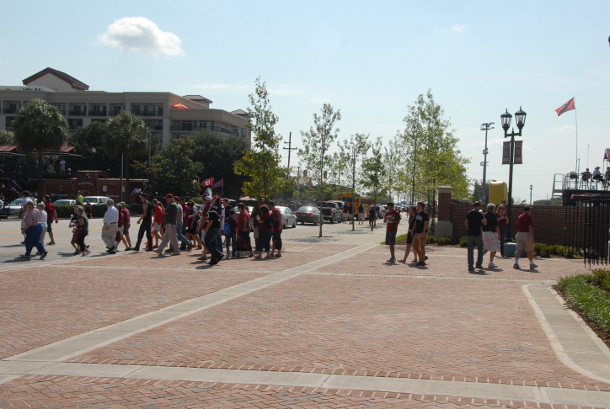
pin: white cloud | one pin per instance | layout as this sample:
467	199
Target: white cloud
459	28
141	35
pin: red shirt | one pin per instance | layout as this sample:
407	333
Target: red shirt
262	222
523	222
50	209
158	215
393	218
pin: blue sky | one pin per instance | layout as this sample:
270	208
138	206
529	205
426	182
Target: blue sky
368	59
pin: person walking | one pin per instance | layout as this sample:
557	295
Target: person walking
474	222
525	237
360	213
265	231
392	219
230	232
212	231
503	224
491	234
420	233
49	207
278	227
126	226
32	219
243	230
111	220
144	221
81	230
171	221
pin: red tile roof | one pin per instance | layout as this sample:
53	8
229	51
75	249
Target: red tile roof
74	83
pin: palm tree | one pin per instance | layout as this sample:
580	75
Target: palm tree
127	136
39	128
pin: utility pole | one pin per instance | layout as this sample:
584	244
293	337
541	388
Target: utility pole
485	127
289	148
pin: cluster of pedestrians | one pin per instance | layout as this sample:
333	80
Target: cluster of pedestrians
488	231
417	236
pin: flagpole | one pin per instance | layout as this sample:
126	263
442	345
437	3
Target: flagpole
576	150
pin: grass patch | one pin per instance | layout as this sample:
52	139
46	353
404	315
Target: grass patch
589	295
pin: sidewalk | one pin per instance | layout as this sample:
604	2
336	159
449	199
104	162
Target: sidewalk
330	324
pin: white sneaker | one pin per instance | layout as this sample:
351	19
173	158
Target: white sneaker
492	265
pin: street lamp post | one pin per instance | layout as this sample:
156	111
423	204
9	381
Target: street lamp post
531	188
485	127
506	119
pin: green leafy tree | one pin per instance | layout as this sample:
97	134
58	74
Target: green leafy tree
39	128
374	171
127	137
88	142
354	151
218	154
6	138
317	142
261	164
431	147
173	170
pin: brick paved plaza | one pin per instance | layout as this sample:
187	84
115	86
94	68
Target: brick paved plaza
329	325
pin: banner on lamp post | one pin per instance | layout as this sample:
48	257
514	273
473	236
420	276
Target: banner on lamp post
506	153
518	153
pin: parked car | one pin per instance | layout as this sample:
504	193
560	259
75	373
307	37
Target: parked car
290	220
332	212
60	202
15	206
95	199
308	214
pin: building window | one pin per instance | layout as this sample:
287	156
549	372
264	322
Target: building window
105	188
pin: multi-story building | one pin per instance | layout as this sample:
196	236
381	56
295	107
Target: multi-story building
167	115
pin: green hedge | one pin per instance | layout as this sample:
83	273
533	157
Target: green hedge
546	250
66	211
590	295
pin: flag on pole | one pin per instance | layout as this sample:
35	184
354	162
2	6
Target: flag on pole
207	182
568	106
217	184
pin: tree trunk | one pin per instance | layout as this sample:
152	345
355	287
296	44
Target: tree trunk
40	193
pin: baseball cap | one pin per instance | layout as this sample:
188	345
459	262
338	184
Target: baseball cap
169	196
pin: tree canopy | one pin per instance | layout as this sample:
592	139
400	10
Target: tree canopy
261	163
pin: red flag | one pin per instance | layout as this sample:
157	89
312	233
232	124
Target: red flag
568	106
207	182
217	184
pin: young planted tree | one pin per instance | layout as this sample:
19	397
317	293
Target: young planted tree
430	143
261	164
39	128
374	171
317	142
127	137
354	151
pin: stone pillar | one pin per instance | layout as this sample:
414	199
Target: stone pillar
444	226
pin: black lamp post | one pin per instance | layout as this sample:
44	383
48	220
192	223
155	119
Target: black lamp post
520	119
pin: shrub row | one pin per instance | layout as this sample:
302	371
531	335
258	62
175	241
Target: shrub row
546	250
66	211
589	294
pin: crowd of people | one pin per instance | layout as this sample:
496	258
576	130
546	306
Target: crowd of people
216	228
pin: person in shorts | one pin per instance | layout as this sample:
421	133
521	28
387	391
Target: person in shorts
391	219
525	237
420	233
412	211
157	222
491	234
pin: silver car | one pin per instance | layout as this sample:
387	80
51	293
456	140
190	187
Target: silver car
289	218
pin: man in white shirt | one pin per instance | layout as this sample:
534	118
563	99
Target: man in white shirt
111	218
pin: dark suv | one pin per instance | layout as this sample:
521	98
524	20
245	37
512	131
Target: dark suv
331	212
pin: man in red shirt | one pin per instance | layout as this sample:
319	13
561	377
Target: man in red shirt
525	237
392	218
49	207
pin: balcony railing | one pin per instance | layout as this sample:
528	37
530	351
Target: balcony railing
149	113
97	113
9	110
181	128
76	113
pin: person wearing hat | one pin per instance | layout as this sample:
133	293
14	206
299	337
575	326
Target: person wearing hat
110	227
525	237
597	174
144	221
32	219
171	221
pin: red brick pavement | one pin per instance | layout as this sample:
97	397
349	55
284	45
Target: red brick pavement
41	306
445	329
108	393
